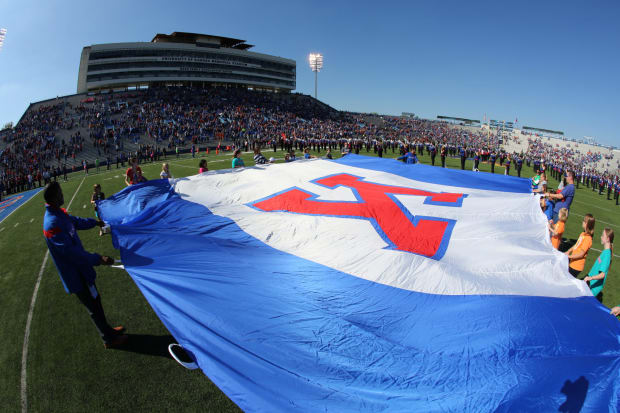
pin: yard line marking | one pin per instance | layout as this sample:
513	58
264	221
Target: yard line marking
618	256
24	398
601	221
16	224
106	179
84	206
1	229
595	206
31	219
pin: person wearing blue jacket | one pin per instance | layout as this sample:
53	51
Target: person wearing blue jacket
74	264
409	157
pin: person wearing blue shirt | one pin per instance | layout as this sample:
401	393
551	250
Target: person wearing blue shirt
409	157
565	198
492	160
463	156
74	264
548	209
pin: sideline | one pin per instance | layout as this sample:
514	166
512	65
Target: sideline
19	206
24	395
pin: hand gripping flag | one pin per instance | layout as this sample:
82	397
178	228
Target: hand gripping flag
365	284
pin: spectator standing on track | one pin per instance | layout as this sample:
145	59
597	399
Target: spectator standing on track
202	166
74	264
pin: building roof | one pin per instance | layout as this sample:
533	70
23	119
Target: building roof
206	40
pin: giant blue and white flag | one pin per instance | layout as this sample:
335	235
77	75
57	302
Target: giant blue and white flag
364	284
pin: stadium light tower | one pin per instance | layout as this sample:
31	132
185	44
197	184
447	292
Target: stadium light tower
2	36
316	64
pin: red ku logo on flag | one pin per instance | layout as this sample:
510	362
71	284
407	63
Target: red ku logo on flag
422	235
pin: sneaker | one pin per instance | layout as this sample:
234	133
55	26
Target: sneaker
117	341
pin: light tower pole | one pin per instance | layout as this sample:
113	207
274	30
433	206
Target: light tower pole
2	36
316	64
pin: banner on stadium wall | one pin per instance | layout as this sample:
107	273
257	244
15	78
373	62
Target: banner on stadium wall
364	284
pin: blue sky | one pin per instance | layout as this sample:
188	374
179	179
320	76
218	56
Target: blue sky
554	65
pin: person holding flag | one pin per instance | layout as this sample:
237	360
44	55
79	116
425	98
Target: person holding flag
409	157
74	264
598	274
133	175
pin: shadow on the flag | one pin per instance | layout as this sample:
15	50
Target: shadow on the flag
575	395
135	260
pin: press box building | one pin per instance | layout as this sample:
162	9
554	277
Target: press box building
182	59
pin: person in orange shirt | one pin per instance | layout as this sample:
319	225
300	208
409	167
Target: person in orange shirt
578	253
558	229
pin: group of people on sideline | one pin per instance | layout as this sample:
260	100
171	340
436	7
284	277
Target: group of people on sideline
556	206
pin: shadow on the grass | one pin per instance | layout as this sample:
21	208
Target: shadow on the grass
566	244
149	344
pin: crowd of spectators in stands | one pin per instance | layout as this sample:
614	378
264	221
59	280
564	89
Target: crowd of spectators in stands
159	121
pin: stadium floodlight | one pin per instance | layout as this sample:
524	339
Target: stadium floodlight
316	64
2	36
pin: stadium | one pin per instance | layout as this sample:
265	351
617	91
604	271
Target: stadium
184	97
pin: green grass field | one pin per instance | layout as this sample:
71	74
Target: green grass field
68	369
